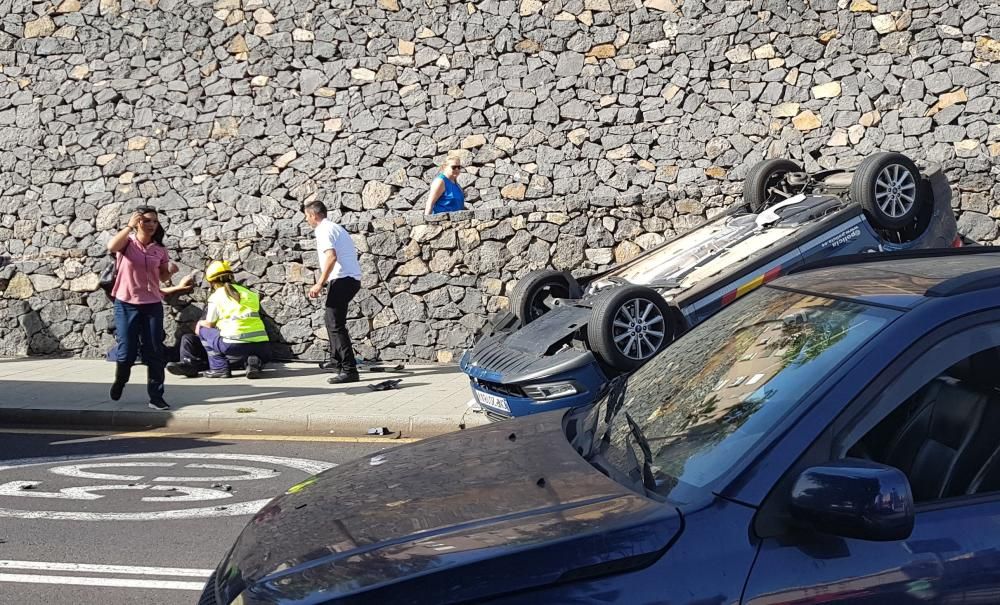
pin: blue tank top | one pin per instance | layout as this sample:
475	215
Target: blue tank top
452	200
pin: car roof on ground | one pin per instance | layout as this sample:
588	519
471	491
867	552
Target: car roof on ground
903	281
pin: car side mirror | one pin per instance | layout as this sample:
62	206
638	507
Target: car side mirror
854	499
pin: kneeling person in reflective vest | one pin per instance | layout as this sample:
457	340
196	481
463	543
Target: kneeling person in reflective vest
232	329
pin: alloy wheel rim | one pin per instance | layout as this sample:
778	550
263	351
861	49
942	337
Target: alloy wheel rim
895	190
638	328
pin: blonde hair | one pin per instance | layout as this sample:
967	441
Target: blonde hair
455	161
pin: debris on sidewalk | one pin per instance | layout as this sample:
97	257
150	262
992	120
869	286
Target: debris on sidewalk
395	368
245	410
379	430
386	385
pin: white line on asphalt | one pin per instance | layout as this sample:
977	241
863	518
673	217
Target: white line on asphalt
26	489
251	473
104	436
231	510
76	470
111	582
303	464
311	467
92	568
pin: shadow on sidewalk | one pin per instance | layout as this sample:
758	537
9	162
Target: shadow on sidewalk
28	394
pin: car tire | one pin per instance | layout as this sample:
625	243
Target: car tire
762	178
888	188
629	325
526	301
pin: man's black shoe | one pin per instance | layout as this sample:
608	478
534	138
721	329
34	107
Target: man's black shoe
116	390
158	403
216	374
330	365
344	378
179	368
253	367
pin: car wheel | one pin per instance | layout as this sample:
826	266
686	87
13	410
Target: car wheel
527	301
765	183
629	325
887	185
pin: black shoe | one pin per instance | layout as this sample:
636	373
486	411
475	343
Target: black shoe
253	367
344	378
182	369
216	374
116	390
158	403
330	365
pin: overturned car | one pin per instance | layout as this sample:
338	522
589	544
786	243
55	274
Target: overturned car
565	338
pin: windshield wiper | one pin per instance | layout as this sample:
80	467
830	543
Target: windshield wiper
604	411
648	481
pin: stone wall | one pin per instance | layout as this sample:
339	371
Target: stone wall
585	124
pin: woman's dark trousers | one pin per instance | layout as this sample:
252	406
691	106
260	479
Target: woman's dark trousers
140	327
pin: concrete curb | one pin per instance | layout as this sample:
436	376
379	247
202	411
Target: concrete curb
251	423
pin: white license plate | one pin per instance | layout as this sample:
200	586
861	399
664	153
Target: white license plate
492	401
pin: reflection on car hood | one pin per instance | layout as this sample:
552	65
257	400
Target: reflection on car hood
500	508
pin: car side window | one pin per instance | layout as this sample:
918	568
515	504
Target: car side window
941	432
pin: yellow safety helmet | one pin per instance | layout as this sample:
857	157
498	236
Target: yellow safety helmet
217	269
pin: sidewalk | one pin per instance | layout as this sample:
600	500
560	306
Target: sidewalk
290	399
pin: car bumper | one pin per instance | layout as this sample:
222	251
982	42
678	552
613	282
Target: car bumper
500	400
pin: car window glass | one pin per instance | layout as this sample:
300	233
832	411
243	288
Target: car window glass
942	434
708	399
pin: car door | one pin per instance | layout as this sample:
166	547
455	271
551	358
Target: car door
953	552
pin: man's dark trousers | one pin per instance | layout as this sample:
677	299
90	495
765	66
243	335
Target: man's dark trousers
338	296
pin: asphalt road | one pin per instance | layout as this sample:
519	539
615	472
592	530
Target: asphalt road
93	520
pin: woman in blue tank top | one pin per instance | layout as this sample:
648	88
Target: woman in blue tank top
445	194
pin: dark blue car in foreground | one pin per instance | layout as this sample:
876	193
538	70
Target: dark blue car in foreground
831	437
571	336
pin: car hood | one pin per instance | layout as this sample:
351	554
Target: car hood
500	508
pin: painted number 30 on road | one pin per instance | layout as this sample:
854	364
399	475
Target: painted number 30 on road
148	478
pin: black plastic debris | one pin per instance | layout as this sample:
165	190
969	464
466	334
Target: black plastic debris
386	385
395	368
379	430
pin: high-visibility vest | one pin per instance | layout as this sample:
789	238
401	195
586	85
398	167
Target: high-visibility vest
239	320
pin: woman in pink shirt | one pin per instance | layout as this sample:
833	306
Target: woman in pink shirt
142	264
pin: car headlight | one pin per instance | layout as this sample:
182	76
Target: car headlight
551	390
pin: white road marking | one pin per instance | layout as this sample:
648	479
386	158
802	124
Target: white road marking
119	569
252	473
109	582
104	436
303	464
230	510
76	470
310	467
23	489
194	494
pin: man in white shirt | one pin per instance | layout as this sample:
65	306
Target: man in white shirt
338	267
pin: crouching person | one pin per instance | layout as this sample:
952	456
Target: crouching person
232	332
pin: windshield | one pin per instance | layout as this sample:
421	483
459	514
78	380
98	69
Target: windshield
688	415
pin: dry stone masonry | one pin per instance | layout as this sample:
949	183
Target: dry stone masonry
591	130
